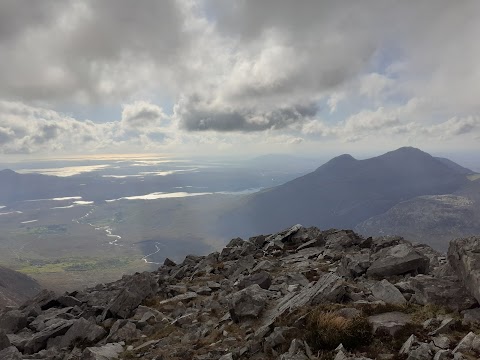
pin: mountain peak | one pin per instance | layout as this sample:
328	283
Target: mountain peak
406	151
341	159
344	157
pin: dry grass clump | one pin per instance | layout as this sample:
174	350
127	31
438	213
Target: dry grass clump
327	330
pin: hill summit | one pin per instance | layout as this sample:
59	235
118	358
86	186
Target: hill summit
300	294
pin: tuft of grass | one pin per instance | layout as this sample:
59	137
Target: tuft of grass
421	313
375	309
327	330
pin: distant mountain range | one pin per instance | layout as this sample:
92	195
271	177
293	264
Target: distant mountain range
345	192
405	192
15	287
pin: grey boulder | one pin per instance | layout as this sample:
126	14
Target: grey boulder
262	278
447	291
84	332
39	340
123	330
136	289
10	353
398	260
4	340
249	302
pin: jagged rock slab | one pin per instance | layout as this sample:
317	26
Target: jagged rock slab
68	301
261	278
422	352
137	289
4	340
354	265
329	288
471	316
464	257
39	340
44	300
82	331
13	321
123	330
445	291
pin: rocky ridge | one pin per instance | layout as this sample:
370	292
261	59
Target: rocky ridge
300	294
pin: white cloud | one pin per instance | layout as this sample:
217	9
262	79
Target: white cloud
296	72
334	99
27	129
375	86
456	126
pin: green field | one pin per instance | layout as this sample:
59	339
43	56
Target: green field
36	266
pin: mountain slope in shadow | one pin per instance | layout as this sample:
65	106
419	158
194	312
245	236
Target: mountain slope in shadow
345	191
15	287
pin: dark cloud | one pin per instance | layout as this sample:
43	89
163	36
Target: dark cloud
46	133
144	115
6	136
141	114
20	16
193	117
85	51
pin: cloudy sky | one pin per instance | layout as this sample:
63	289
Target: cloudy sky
233	77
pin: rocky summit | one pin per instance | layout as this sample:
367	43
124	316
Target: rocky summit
301	294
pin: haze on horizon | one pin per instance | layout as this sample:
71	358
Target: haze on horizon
238	77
